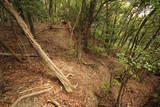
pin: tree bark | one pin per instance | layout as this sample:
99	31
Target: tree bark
50	10
9	7
31	24
84	22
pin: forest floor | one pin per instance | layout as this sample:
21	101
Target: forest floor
17	78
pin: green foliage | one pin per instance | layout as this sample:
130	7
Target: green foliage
96	48
67	10
116	82
69	14
105	86
4	17
34	7
144	62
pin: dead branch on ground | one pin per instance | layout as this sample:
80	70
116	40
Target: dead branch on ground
24	55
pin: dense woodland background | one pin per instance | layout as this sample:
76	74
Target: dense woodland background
127	30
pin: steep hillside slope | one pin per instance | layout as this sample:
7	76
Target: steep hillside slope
17	79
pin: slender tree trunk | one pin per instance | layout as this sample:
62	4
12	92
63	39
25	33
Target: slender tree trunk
113	32
124	25
139	30
55	6
9	7
153	38
125	35
31	24
78	28
150	41
50	10
87	20
142	37
100	8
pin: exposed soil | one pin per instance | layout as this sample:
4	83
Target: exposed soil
17	77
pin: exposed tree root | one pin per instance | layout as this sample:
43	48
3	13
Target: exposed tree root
54	102
45	86
68	75
30	95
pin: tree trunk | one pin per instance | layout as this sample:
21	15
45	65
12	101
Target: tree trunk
31	24
50	10
78	29
153	38
150	41
134	44
84	22
9	7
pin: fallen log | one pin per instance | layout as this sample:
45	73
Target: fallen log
63	79
24	55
